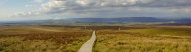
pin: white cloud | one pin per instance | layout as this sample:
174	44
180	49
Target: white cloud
97	7
39	1
29	6
181	10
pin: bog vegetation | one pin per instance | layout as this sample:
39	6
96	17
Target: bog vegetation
148	39
42	39
109	38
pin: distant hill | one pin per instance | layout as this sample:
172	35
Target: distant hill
93	21
117	20
183	20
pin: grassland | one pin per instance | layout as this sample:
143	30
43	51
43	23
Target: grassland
42	39
109	38
147	39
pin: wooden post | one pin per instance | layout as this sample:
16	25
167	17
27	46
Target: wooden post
119	28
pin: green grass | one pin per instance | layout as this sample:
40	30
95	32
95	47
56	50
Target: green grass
162	31
128	39
144	40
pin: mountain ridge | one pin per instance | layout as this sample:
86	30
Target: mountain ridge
120	20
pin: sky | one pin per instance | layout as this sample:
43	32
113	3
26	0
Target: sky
11	10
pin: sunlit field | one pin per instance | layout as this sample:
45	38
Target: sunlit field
95	26
109	38
148	39
42	39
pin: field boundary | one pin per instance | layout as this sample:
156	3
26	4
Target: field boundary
87	47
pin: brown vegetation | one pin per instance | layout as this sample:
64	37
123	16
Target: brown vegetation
150	39
43	39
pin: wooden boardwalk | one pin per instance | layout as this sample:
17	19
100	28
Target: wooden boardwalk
87	47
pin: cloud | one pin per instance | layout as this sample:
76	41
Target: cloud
26	14
29	6
38	1
111	7
166	3
181	10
